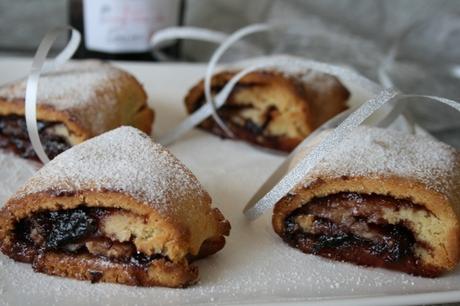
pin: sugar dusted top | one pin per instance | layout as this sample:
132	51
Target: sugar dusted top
123	160
88	92
289	66
72	85
376	152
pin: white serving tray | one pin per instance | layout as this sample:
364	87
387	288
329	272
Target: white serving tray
255	267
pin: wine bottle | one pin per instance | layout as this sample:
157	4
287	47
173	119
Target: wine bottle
121	29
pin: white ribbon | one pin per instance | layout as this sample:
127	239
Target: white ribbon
159	39
255	28
294	176
256	207
39	67
264	63
213	104
387	63
162	37
203	112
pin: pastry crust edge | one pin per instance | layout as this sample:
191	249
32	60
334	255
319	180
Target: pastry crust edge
131	96
177	241
295	86
445	257
160	272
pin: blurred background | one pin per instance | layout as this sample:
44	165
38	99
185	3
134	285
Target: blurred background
354	33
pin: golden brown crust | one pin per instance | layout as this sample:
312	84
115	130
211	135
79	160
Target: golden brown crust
444	235
415	169
276	111
175	241
128	106
160	272
153	203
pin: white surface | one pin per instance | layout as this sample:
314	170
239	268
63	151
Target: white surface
254	267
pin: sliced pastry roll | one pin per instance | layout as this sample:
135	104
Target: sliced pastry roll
382	199
273	108
117	208
76	102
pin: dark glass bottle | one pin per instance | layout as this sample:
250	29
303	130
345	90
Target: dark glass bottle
120	29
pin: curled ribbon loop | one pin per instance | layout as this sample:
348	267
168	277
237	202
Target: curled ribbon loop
257	64
173	33
255	28
214	103
162	37
389	61
257	206
281	62
39	67
203	112
211	106
386	65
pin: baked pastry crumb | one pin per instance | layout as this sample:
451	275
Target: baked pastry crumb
78	101
117	208
271	108
382	199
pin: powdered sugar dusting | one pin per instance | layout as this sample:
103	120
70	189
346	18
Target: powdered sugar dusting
377	152
255	264
72	85
123	160
86	88
267	271
292	66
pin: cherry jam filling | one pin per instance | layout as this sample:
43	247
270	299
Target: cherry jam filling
350	227
245	128
14	137
74	231
229	111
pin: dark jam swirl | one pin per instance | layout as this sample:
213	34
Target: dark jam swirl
350	227
74	231
245	128
14	137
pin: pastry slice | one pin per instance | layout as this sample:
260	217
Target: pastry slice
117	208
381	199
77	102
273	108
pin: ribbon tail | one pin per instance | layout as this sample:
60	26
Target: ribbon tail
38	67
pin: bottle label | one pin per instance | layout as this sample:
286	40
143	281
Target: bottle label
121	26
